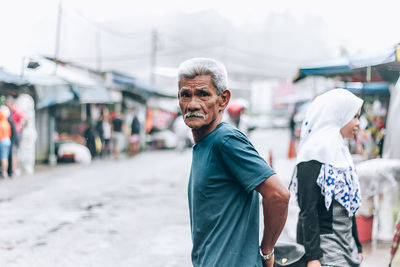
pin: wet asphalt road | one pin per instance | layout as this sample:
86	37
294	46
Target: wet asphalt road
132	212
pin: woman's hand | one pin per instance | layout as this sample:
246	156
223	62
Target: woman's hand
314	263
361	256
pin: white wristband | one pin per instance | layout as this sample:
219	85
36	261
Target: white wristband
267	256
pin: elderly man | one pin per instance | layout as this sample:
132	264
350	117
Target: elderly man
226	176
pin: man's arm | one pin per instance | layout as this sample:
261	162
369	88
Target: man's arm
275	201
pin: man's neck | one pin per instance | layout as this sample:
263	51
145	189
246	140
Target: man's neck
199	134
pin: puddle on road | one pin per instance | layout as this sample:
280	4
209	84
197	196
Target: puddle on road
6	246
58	227
5	199
93	206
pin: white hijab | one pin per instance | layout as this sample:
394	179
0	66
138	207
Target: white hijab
321	140
320	137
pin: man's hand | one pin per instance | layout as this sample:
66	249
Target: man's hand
314	263
275	201
268	263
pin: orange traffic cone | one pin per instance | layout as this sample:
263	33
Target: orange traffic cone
270	158
292	149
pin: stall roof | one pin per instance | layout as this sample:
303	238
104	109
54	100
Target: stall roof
51	90
45	80
92	94
136	86
384	67
382	88
8	77
86	88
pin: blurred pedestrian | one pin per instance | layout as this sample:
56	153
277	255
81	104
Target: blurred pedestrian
5	141
14	144
20	121
103	128
17	115
90	136
326	182
235	112
292	141
118	134
134	135
226	174
28	134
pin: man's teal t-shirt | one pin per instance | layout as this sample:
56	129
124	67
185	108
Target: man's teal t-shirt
224	207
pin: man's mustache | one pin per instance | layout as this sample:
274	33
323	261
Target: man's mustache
195	115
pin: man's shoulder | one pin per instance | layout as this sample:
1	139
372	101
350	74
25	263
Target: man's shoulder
227	131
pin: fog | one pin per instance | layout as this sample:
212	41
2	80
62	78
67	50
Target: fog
266	40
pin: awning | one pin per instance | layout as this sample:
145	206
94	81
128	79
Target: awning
51	90
92	94
86	88
129	82
11	78
360	68
137	87
381	88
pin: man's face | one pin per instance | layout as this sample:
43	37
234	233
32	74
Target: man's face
200	104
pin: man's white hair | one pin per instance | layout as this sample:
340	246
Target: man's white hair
204	66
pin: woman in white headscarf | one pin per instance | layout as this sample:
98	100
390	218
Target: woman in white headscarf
326	183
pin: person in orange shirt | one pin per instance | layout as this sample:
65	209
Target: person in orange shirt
5	141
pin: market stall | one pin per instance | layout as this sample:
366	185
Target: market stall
373	78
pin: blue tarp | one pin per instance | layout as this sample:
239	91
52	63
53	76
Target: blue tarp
353	64
324	70
11	78
53	95
131	82
136	86
381	88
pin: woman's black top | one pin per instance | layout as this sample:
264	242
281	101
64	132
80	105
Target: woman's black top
314	218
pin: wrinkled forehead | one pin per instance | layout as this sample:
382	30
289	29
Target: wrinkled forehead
197	82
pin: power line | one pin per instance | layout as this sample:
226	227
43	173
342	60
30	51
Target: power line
259	56
177	40
103	28
185	44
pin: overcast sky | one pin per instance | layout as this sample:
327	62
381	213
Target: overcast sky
28	27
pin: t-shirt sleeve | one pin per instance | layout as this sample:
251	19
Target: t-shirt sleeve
244	163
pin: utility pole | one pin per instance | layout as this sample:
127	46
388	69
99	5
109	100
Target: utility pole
52	120
98	50
58	34
153	56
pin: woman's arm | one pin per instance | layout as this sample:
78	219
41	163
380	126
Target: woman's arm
356	239
308	198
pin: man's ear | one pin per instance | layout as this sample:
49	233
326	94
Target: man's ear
225	96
